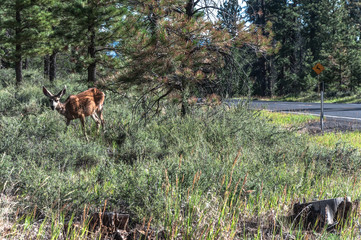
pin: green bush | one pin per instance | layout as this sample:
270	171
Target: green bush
169	162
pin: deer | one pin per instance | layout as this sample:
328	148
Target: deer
82	105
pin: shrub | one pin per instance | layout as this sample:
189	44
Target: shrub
228	157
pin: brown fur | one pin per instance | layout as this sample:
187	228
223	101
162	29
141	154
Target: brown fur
82	105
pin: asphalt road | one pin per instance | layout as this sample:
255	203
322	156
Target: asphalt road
351	112
338	116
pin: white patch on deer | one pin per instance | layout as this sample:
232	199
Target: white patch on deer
54	104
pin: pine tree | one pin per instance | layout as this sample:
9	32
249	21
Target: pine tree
290	62
230	14
298	30
334	40
260	14
341	51
353	8
95	25
171	47
235	75
57	39
27	26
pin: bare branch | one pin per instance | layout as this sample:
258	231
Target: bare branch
207	7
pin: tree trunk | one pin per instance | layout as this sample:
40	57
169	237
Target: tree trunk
260	74
18	67
52	72
91	53
92	73
185	96
272	77
190	8
46	66
18	55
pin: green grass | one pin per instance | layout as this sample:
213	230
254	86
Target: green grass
288	119
217	173
352	139
328	139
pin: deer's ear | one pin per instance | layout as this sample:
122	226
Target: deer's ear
62	92
47	93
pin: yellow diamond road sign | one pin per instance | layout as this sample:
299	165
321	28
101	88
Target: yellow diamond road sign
318	68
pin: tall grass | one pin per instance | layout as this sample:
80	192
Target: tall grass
217	173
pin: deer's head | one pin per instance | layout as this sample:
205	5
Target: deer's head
54	99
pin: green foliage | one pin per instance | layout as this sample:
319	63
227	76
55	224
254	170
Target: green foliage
30	31
27	26
147	43
171	48
308	32
171	168
95	27
203	175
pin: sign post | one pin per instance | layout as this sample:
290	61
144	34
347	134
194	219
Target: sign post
321	116
318	68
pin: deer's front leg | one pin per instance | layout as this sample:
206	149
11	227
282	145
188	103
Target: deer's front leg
96	120
100	115
67	124
82	120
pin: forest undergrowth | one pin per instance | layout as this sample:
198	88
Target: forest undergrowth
217	173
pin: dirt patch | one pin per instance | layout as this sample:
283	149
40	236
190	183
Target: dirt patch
332	125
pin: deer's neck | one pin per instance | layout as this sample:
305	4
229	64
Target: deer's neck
60	108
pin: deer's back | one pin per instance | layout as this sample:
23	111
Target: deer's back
84	103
